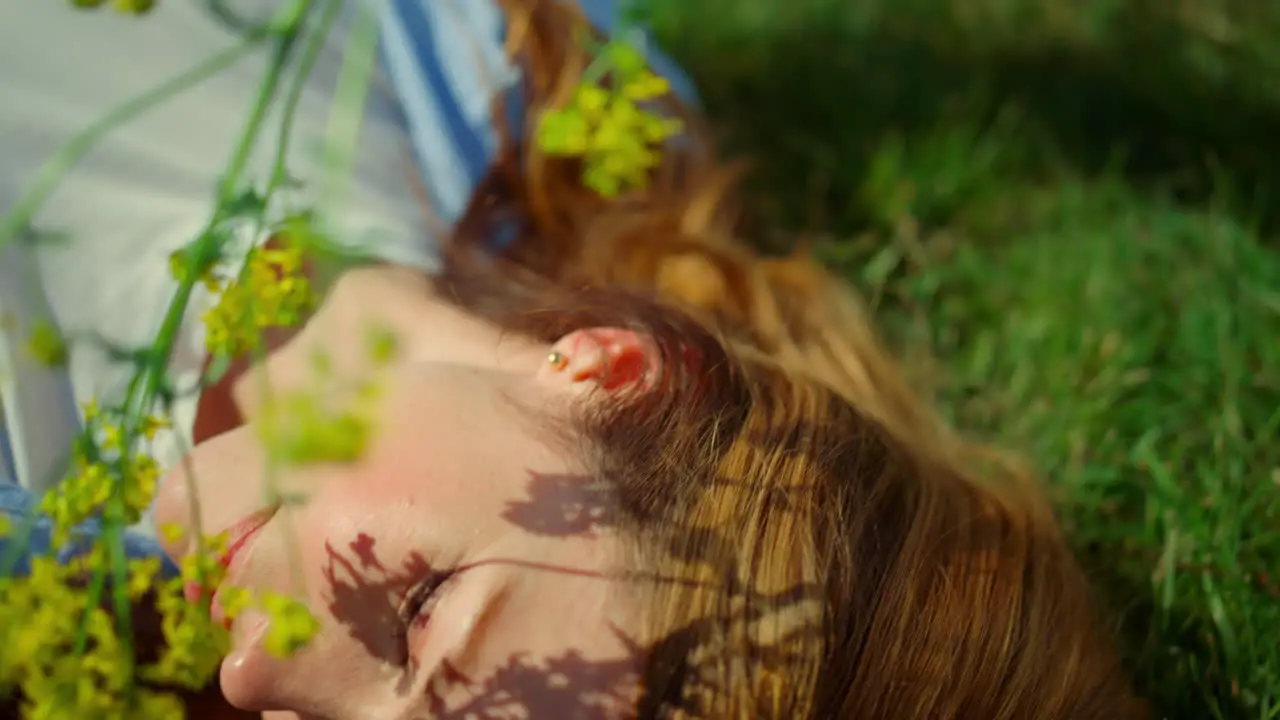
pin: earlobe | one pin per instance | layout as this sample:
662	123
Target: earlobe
610	358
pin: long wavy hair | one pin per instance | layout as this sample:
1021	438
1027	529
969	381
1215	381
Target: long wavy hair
807	538
813	540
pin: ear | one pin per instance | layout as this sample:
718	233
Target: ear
607	357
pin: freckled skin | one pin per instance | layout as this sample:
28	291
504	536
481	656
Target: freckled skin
456	483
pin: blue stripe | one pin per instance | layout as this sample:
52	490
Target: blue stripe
468	143
419	70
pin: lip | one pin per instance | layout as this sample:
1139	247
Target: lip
239	539
239	535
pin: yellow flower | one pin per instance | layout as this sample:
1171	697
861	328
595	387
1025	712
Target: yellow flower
77	498
563	132
383	345
194	645
139	485
614	136
646	87
173	532
292	625
152	424
591	100
151	704
625	60
46	345
235	600
271	292
655	128
110	436
205	569
142	576
134	7
297	428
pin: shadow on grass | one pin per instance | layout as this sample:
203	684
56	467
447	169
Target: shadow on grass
1135	100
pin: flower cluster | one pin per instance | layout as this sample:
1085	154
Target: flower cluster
194	644
125	7
63	648
46	345
72	669
62	645
104	467
607	125
304	426
272	291
84	668
291	624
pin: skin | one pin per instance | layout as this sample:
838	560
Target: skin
456	484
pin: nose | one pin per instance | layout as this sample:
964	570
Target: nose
218	484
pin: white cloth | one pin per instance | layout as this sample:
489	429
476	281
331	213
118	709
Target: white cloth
148	188
101	263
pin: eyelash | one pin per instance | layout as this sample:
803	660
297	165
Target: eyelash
419	597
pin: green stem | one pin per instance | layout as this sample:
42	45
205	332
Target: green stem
600	61
229	17
151	374
146	384
143	390
286	38
96	584
51	173
343	132
279	172
120	590
306	63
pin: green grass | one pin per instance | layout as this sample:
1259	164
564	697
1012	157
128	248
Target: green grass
1065	216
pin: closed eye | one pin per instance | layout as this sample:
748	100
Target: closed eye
417	603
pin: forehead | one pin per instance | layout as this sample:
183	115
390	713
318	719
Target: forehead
475	451
436	417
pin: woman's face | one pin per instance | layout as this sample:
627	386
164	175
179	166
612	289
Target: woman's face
458	567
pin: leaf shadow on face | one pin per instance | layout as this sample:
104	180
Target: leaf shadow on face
647	679
679	673
366	592
562	505
366	596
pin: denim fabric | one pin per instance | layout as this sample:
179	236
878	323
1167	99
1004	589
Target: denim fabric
16	504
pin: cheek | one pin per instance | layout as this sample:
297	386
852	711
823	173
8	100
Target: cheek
220	480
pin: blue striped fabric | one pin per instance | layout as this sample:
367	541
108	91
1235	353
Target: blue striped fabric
16	508
446	61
